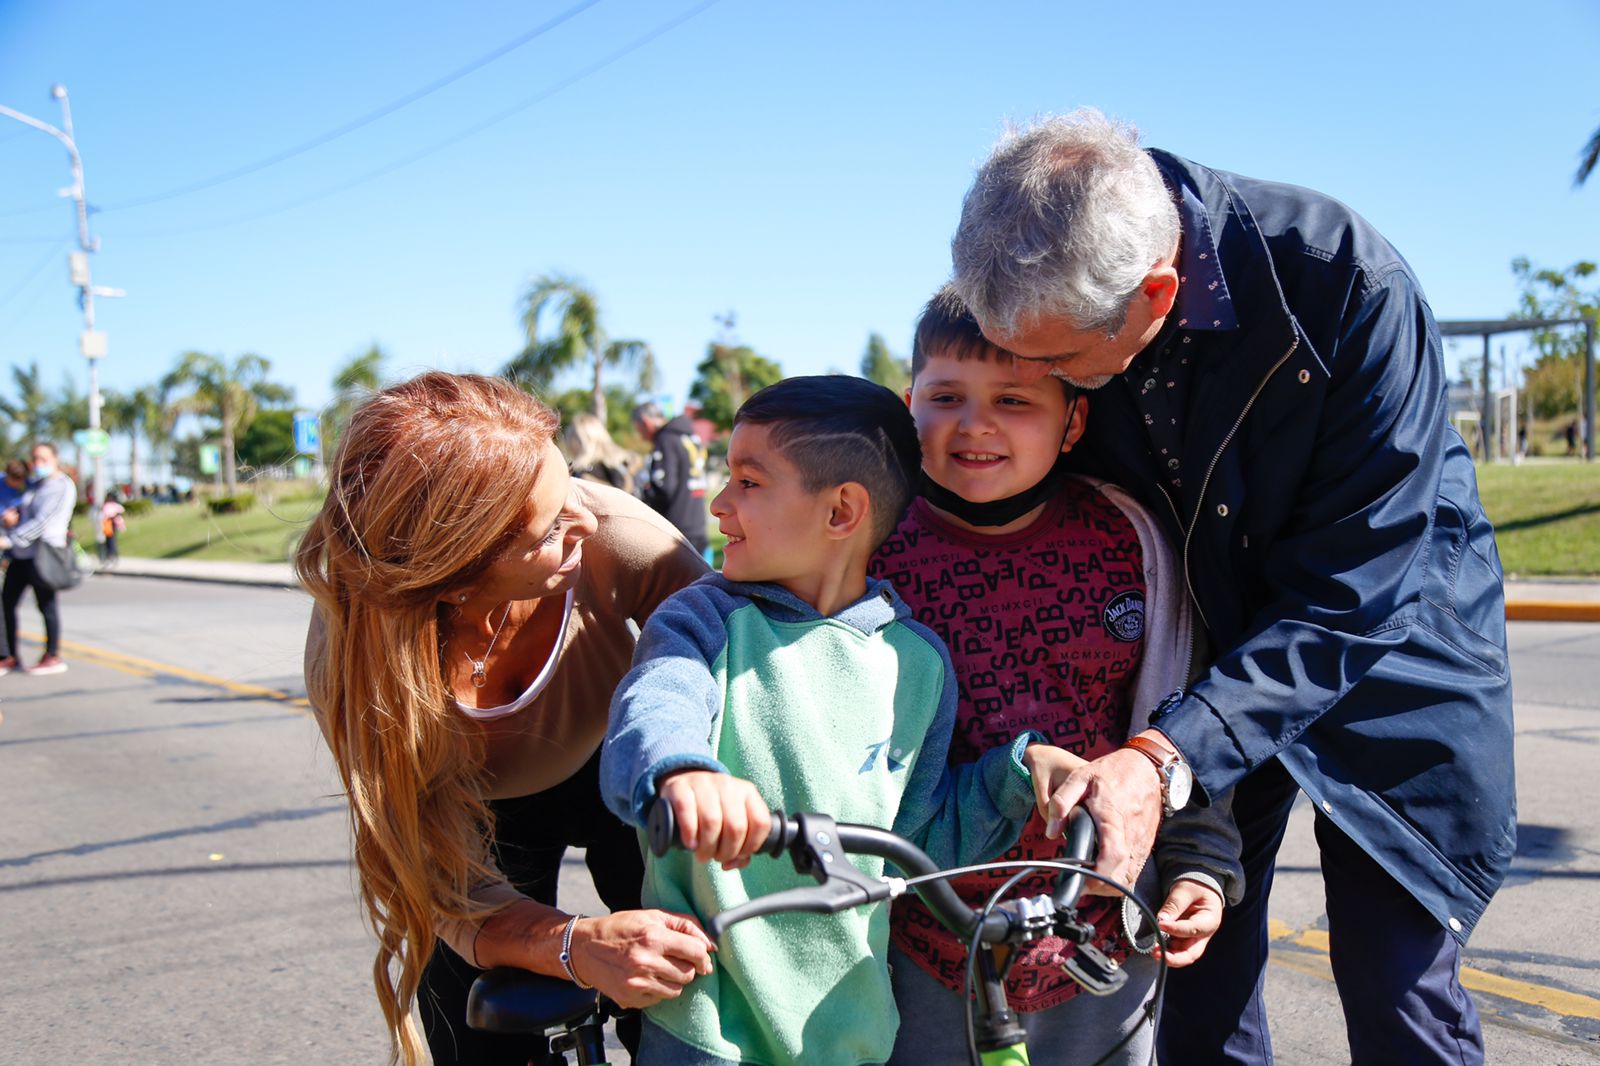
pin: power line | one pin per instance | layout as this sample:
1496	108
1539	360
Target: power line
349	127
404	161
33	275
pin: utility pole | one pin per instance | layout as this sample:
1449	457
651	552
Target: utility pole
91	342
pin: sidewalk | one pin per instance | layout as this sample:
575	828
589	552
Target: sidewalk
1546	600
273	575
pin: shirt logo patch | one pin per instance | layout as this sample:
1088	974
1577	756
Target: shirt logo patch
1123	617
893	756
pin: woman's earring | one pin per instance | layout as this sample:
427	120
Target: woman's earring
461	598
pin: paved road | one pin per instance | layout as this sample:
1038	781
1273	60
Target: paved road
175	885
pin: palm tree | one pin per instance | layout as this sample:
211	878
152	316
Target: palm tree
137	413
229	394
66	413
1588	158
360	377
30	406
578	339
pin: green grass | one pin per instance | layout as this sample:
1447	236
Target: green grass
1546	516
266	533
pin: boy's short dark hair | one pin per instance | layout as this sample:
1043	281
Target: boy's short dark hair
946	327
835	428
17	470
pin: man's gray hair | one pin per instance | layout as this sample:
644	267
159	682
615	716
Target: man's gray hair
1064	219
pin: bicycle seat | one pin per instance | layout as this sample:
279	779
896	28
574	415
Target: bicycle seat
508	1000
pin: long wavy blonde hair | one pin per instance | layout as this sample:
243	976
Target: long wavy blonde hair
431	483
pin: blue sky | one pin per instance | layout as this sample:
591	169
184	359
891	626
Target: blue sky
799	164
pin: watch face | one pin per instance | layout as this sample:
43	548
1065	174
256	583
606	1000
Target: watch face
1180	783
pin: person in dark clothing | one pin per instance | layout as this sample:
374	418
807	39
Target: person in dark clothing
674	481
1269	378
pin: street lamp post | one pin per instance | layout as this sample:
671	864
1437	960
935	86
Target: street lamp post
92	343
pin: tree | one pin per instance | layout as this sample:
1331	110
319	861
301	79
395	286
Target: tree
28	408
578	339
66	413
726	377
1588	158
620	402
353	382
268	440
1555	381
883	366
229	393
140	413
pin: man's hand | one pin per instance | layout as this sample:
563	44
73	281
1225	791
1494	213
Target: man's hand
1122	792
719	816
11	518
1190	917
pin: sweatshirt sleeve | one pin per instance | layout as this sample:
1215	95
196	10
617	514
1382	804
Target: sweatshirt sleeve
49	515
666	711
968	813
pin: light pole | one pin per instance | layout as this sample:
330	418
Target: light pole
91	343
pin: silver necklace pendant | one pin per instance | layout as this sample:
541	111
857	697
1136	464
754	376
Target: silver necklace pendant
479	677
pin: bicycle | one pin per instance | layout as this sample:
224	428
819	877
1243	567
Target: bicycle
818	847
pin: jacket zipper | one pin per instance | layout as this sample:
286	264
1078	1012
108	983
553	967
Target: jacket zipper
1211	469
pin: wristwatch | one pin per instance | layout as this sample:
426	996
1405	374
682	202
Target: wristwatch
1177	780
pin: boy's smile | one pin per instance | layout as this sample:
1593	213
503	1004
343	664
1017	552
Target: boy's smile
986	433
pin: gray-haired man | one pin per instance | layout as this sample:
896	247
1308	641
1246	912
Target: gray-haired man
1273	386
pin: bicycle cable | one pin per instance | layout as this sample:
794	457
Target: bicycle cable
1150	1005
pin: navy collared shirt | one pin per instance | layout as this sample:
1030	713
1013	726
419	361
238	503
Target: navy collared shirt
1158	379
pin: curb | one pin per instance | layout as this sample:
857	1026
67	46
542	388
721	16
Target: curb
204	579
1552	611
1516	610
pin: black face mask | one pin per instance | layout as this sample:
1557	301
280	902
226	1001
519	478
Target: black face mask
993	512
1002	512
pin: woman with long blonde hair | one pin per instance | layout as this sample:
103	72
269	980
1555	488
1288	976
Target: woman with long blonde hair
594	455
472	609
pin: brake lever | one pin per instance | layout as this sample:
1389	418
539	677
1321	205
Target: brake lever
828	898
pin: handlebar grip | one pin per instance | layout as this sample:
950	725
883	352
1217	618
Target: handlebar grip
1079	846
662	828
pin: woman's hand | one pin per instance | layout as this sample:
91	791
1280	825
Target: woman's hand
1190	917
640	957
719	816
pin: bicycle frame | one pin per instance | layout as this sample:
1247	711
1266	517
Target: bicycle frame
819	846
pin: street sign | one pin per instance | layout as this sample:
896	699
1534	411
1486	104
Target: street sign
307	439
92	442
92	343
210	458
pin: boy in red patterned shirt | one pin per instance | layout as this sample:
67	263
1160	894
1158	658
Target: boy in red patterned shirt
1055	595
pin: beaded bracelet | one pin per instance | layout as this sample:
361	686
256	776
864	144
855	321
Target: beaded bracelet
566	952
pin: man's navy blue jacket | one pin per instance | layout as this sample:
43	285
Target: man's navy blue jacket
1335	546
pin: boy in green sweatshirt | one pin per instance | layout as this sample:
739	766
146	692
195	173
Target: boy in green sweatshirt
793	680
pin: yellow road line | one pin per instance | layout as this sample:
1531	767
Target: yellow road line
1566	1004
148	668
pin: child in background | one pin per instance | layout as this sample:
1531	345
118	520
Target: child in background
112	524
1064	613
792	679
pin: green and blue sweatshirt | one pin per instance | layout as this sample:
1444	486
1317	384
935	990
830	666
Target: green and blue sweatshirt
850	715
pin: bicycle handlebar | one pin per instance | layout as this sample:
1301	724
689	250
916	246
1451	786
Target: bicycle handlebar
818	846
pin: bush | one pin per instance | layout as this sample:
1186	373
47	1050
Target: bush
137	507
232	504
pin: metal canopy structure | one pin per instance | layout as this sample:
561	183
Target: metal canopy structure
1491	327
